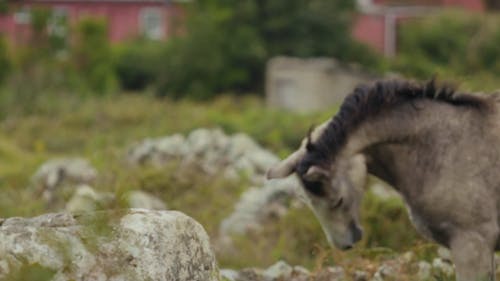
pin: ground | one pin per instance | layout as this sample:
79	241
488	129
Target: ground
102	129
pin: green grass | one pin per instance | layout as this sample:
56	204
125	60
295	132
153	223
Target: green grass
101	130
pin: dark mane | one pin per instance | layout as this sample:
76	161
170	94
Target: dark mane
367	101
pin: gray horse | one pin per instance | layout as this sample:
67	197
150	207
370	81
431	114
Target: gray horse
439	149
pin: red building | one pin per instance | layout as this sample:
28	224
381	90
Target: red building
126	18
376	24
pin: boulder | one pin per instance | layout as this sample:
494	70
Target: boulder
259	204
331	274
424	270
144	200
133	244
56	173
276	272
442	266
210	149
86	199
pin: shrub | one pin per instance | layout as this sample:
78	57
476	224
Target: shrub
225	46
137	64
451	43
214	57
4	60
92	56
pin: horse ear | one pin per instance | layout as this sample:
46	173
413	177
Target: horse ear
316	173
286	167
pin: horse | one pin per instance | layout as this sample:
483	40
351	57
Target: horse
438	148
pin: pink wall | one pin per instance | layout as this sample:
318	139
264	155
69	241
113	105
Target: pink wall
122	17
474	5
369	29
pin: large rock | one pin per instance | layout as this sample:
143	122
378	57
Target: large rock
131	244
86	199
259	204
210	149
144	200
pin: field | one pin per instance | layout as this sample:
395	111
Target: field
102	129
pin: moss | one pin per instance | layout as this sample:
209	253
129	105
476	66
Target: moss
31	272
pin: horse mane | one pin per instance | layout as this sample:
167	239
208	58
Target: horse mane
367	101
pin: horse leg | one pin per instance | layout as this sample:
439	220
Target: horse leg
473	256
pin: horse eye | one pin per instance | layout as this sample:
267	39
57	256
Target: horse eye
337	204
314	187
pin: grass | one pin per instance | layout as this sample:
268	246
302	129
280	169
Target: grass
101	130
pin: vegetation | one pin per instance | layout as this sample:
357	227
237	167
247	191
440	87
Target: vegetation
226	47
66	109
454	45
92	56
102	128
199	62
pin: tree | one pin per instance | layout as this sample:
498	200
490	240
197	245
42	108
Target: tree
225	46
3	7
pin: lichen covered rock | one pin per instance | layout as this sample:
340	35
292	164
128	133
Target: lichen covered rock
211	149
60	172
134	244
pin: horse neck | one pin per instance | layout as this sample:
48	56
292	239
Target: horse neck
395	141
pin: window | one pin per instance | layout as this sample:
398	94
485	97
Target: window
58	22
151	23
22	16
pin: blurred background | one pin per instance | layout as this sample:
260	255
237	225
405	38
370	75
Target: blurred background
188	102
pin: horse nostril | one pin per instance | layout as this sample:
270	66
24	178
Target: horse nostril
346	247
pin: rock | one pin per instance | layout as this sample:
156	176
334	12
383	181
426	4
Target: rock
440	265
141	152
250	274
211	150
444	254
336	273
300	273
173	146
229	274
424	270
121	245
385	272
58	172
158	151
360	276
233	157
144	200
407	257
86	199
278	271
257	205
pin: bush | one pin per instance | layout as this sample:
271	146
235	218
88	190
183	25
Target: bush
451	43
4	60
92	56
210	60
225	46
137	64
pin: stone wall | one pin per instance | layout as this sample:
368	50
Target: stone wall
305	85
